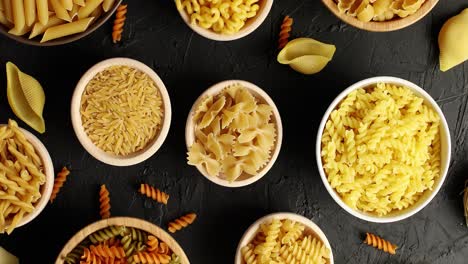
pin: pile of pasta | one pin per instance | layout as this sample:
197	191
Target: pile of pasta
284	241
221	16
379	10
120	244
381	148
52	18
121	110
234	134
21	176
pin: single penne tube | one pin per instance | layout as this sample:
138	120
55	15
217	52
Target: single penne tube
67	4
79	2
39	28
60	11
18	17
66	29
42	7
4	21
107	4
74	12
90	6
7	9
30	12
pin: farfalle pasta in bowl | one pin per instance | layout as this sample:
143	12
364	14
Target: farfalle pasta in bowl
284	238
380	15
233	133
383	149
223	20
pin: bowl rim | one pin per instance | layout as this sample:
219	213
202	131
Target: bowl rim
384	26
64	40
142	224
49	181
444	126
86	142
258	92
246	30
253	228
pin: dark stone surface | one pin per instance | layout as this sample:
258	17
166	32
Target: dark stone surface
188	64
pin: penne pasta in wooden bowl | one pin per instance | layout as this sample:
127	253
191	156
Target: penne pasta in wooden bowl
54	22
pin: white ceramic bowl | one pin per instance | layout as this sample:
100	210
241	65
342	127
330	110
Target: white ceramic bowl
445	152
311	228
46	188
262	97
98	153
251	25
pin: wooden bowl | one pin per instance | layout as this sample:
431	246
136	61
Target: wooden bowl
123	221
60	41
385	26
311	229
262	97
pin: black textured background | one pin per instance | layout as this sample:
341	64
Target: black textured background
188	64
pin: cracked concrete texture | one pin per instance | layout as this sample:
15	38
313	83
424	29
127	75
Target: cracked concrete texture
188	64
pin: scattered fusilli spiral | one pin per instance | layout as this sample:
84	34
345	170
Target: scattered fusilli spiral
286	27
104	202
58	183
145	257
154	193
181	222
119	23
380	243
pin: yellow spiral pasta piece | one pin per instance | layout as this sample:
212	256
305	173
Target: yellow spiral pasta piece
380	243
181	222
119	23
58	183
154	193
104	201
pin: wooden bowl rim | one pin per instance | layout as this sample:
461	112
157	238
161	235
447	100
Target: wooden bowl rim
385	26
123	221
64	40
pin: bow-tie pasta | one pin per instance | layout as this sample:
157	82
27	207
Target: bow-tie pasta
234	134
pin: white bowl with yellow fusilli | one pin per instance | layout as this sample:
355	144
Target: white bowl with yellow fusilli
383	149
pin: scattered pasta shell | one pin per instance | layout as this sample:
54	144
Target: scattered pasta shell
453	41
26	97
306	55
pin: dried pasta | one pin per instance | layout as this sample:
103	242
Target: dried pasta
154	193
381	148
224	17
104	202
116	244
378	10
121	110
119	23
181	222
286	27
380	243
59	181
453	41
21	176
32	16
284	241
234	133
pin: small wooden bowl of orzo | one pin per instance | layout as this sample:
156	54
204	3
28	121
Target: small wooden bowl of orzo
121	111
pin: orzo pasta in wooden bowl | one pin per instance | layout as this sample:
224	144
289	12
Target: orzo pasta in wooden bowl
121	111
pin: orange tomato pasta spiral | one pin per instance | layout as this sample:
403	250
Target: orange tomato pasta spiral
181	222
58	183
380	243
119	23
145	257
286	27
107	252
105	202
163	249
152	243
89	257
154	193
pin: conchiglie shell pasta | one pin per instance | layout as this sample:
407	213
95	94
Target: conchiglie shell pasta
306	55
453	41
